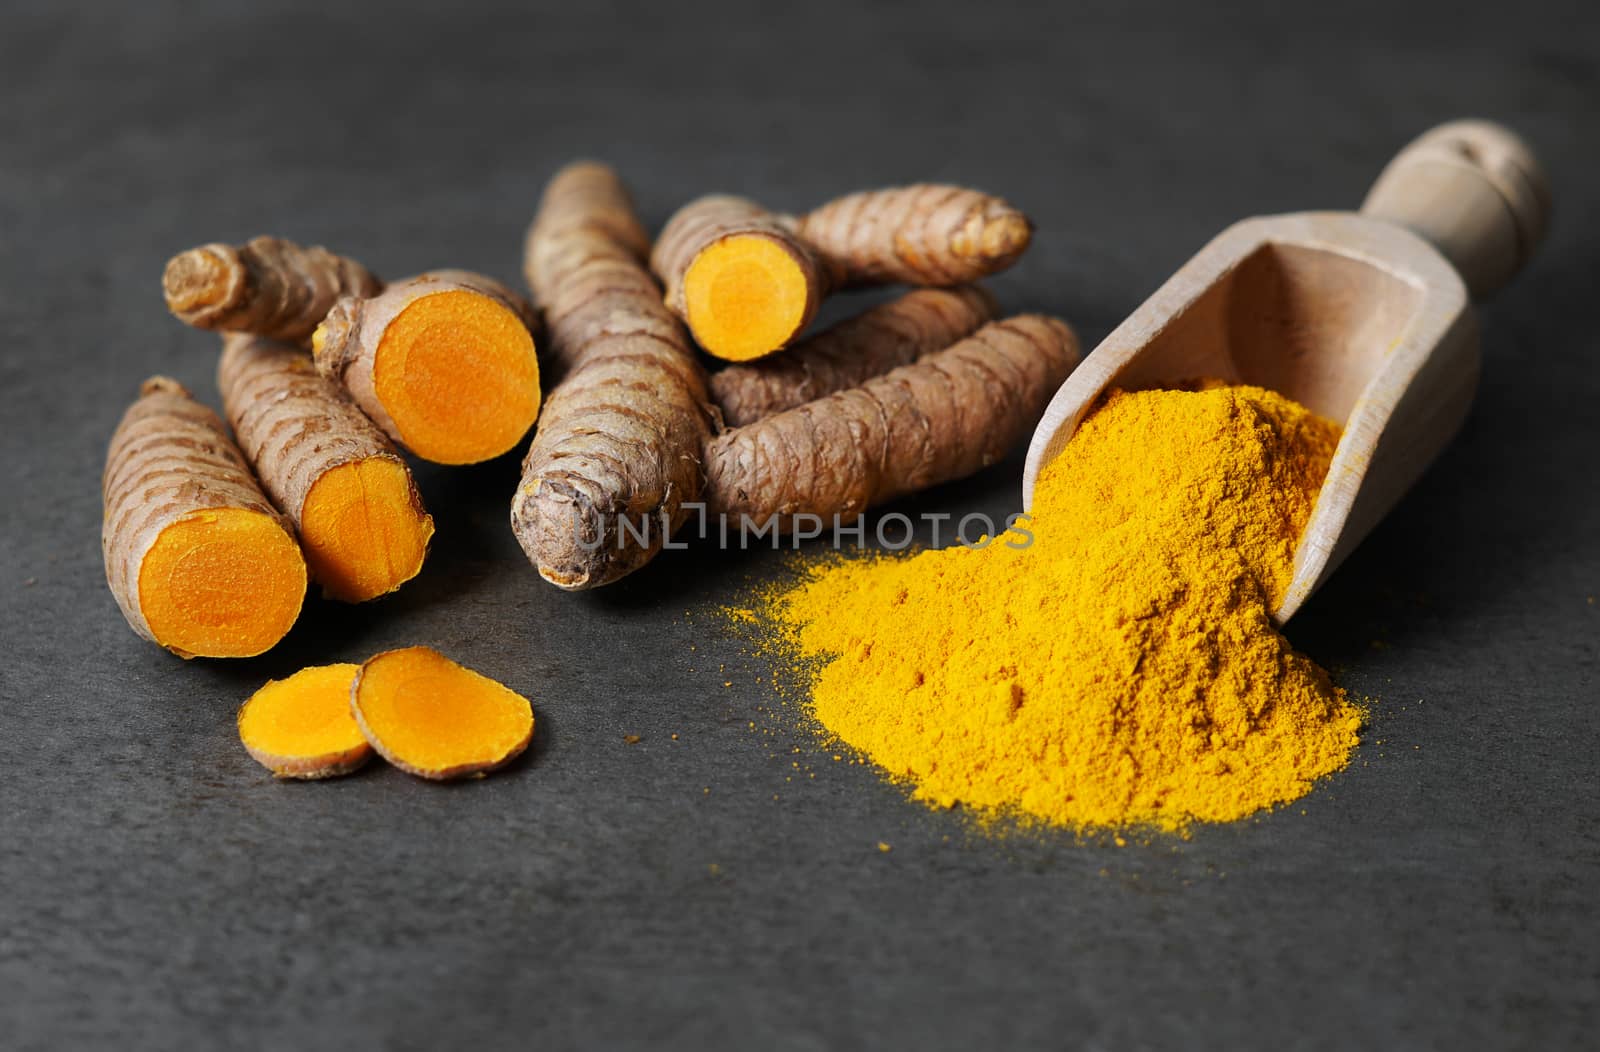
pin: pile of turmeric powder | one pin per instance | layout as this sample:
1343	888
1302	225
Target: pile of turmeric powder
1113	662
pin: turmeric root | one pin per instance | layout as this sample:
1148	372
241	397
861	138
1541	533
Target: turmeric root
585	243
919	235
738	275
617	452
302	727
748	281
197	558
942	418
266	286
327	467
444	363
435	719
886	337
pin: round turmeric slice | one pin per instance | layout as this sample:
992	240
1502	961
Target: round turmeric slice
301	727
436	719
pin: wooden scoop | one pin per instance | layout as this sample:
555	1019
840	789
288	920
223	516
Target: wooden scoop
1364	318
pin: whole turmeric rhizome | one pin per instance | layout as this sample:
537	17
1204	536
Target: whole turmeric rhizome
415	707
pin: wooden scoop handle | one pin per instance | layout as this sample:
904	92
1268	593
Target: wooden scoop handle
1473	189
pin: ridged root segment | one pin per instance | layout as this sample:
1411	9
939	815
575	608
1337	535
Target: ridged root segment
582	262
850	353
197	558
267	286
327	467
444	363
302	727
435	719
617	452
926	234
739	276
942	418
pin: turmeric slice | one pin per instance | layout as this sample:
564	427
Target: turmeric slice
444	363
850	353
941	418
266	286
434	718
302	727
617	452
738	275
327	467
198	559
926	234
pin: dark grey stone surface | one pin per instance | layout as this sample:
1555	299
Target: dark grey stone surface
158	890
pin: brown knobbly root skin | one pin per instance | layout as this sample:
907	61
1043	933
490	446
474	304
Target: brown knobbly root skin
293	424
170	456
586	244
927	234
346	344
267	286
883	338
621	433
943	418
715	218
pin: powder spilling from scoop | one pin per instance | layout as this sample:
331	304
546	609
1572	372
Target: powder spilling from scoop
1113	662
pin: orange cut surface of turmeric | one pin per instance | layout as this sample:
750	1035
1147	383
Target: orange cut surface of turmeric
457	374
434	718
302	727
222	582
1113	662
362	531
745	296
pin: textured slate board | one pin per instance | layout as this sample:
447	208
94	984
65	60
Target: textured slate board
160	891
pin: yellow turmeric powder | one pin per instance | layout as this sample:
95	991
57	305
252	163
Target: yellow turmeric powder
1113	662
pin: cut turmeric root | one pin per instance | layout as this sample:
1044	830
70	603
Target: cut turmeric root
444	363
748	281
268	286
198	559
364	529
302	727
434	718
738	275
327	467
